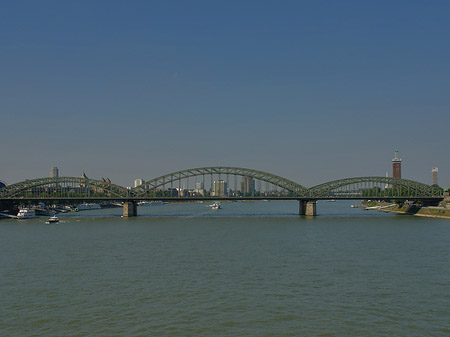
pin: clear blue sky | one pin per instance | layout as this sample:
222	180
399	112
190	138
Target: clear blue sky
309	90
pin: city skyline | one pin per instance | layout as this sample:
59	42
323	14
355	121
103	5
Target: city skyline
308	91
246	184
396	173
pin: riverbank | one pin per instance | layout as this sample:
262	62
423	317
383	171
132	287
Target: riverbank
429	212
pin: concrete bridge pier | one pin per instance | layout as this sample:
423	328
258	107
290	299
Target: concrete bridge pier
129	209
308	207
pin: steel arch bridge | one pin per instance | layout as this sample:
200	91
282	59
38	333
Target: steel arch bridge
63	187
373	187
348	188
168	179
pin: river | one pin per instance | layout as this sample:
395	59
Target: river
249	269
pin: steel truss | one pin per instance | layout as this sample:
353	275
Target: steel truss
170	178
364	187
63	187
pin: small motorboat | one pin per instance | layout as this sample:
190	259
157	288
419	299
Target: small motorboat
53	219
216	205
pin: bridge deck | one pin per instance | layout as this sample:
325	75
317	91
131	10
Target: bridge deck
181	199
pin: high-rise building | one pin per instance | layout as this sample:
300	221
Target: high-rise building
247	186
54	172
396	166
138	182
199	188
434	176
220	188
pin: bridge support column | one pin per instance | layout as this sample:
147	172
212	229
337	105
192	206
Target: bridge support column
311	208
302	207
308	207
129	209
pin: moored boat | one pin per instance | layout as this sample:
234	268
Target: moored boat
86	206
26	213
150	203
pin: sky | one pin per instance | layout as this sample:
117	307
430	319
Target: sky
312	91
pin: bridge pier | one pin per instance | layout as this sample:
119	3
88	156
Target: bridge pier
308	207
302	207
129	209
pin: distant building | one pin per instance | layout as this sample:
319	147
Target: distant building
199	189
396	166
173	192
247	186
2	184
182	192
138	182
220	188
434	176
54	172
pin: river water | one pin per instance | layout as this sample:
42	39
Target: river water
249	269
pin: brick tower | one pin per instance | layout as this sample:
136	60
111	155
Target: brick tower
396	166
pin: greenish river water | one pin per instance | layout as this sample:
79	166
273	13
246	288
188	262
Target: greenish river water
249	269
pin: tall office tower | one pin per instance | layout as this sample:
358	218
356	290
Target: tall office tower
247	186
220	188
434	176
396	166
54	172
138	182
199	188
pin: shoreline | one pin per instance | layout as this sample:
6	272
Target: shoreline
426	212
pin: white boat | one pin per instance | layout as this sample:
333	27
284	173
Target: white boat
86	206
53	219
26	213
150	203
216	205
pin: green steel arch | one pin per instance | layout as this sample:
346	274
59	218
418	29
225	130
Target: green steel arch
63	187
236	171
375	187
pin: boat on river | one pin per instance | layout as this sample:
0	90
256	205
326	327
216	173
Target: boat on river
52	220
86	206
215	205
150	203
26	213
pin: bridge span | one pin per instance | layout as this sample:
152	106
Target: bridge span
216	184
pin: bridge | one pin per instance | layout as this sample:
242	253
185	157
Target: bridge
217	183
